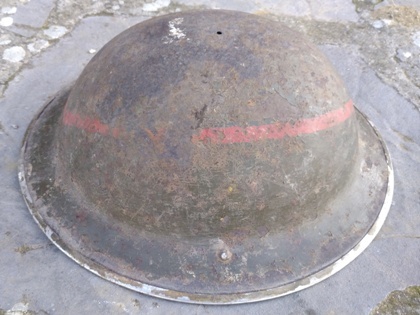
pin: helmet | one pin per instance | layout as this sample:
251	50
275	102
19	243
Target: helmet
207	157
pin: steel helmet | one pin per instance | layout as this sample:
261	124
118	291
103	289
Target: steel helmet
207	157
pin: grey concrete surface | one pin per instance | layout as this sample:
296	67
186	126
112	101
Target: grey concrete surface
374	47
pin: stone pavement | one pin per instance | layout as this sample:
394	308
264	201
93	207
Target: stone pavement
375	46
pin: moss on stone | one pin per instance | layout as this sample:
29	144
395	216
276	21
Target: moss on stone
406	302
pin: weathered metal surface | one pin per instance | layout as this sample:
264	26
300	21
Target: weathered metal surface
209	157
152	95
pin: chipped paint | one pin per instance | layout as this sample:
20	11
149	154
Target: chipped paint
175	33
23	186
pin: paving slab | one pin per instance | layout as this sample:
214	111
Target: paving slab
31	16
36	278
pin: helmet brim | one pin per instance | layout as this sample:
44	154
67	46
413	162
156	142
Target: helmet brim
186	270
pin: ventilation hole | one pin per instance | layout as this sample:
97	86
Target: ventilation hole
219	33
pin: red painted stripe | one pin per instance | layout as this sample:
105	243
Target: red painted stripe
88	124
235	134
